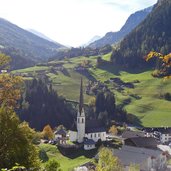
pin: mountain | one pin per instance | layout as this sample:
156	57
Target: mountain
37	33
131	23
32	47
92	40
154	33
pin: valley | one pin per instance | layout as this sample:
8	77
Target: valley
150	103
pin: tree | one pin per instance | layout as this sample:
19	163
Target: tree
134	167
100	103
47	132
10	86
10	90
110	104
15	137
107	161
52	165
4	61
16	141
113	130
163	64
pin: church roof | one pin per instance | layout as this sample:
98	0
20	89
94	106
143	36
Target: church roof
91	126
94	126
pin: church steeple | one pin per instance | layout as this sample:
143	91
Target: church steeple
81	101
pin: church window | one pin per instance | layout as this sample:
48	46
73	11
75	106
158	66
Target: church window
78	120
82	120
94	135
91	135
98	135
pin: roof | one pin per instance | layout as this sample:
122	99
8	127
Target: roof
89	142
94	126
61	132
91	126
134	155
131	134
163	130
146	142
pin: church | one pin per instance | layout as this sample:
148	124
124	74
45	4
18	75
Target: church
88	132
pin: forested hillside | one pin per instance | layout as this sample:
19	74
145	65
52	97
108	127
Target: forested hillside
41	105
152	34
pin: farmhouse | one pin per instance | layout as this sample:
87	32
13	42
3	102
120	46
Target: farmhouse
87	132
147	159
162	133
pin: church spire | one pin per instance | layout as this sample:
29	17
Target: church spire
81	102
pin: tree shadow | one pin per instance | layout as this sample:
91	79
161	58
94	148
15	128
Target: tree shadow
65	72
75	151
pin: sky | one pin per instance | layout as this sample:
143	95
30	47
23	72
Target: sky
71	22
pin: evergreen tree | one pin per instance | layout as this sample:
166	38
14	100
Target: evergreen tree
100	103
110	105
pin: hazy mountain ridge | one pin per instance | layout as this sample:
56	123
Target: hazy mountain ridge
114	37
37	33
152	34
31	47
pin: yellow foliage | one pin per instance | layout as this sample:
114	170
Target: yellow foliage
113	130
47	132
153	54
10	89
4	61
107	161
166	61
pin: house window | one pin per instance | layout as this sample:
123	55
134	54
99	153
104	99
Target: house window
94	135
91	135
98	135
78	120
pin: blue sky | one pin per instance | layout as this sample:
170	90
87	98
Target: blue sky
71	22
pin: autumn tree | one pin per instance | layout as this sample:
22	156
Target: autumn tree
15	137
10	85
163	66
47	132
113	130
16	141
107	161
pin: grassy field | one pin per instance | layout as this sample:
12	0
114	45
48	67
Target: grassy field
151	109
67	164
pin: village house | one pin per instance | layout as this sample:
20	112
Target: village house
131	134
146	159
161	133
84	131
145	142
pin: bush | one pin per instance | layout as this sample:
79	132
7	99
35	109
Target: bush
52	165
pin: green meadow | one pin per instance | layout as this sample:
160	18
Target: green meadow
151	108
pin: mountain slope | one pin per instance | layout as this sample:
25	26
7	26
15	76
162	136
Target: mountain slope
131	23
95	38
152	34
37	33
31	46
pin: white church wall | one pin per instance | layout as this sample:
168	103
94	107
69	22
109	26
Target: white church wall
73	136
96	136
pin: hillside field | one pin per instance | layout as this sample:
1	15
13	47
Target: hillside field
150	107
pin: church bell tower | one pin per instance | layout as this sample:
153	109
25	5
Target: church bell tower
81	117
